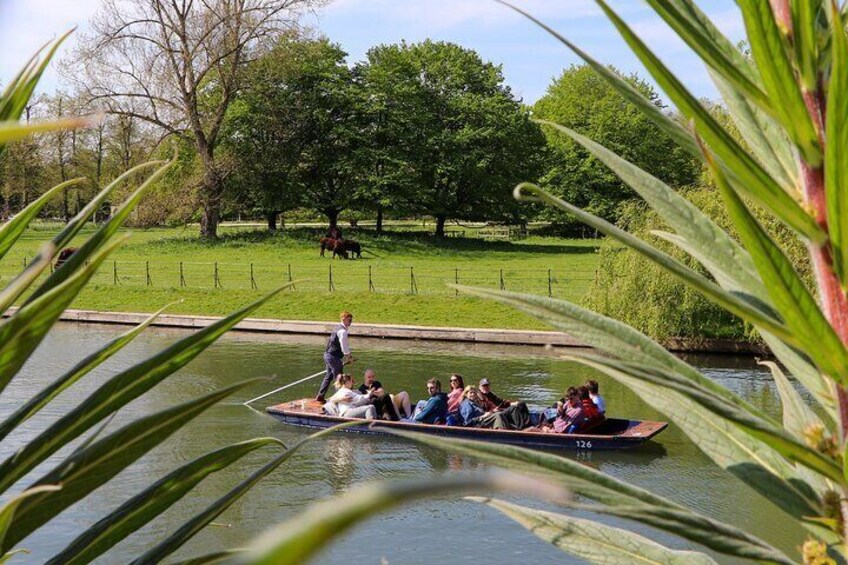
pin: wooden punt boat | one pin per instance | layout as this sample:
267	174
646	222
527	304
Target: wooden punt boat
613	433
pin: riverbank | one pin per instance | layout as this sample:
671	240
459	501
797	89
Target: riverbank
499	336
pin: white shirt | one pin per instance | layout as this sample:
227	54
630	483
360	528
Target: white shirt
599	402
342	333
346	399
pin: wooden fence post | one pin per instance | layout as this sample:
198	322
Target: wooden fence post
550	282
252	279
332	286
182	278
147	272
370	280
503	286
114	272
456	281
217	282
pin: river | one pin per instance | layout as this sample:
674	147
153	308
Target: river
443	530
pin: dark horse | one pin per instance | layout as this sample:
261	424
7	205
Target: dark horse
343	248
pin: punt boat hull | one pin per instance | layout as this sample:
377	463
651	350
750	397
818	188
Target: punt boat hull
613	433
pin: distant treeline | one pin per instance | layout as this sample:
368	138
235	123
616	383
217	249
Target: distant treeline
414	130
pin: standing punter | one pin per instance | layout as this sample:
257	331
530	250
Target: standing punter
337	354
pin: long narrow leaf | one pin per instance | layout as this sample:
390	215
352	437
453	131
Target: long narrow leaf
717	54
753	180
12	230
608	335
835	175
86	470
726	260
731	302
101	236
654	112
585	481
118	391
37	402
770	52
300	538
793	300
21	333
158	497
593	541
188	530
9	510
21	283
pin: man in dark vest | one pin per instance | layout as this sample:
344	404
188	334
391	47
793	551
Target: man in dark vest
336	354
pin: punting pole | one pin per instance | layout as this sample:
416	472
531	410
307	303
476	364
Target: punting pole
303	380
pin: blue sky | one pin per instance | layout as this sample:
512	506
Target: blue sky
530	57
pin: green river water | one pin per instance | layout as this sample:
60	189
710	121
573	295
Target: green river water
443	530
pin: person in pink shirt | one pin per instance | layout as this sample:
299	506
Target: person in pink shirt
571	414
455	395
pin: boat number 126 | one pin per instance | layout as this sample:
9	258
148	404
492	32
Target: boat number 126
583	444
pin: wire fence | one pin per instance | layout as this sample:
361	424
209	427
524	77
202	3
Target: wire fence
331	277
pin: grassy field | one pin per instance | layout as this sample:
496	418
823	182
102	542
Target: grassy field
401	278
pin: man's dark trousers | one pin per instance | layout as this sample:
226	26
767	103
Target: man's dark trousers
334	369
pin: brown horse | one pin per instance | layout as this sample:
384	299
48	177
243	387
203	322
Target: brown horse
337	246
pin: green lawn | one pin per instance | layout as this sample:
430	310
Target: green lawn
407	270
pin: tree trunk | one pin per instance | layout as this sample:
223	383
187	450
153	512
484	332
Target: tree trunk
440	226
333	216
272	220
211	191
379	220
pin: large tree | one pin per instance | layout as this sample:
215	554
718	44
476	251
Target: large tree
586	103
469	141
296	130
177	64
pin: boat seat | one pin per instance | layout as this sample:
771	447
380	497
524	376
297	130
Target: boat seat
591	423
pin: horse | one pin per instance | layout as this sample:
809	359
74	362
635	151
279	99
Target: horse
327	243
63	256
352	246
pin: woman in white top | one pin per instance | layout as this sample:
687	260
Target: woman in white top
350	403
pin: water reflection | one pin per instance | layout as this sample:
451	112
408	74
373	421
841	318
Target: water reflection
673	466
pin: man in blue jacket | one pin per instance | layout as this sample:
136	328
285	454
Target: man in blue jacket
435	410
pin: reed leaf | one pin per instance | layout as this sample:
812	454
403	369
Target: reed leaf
592	541
9	510
797	416
107	231
835	175
209	558
188	530
118	391
37	402
21	283
18	92
155	499
797	306
771	53
302	537
585	481
86	470
748	176
745	307
725	259
21	333
15	227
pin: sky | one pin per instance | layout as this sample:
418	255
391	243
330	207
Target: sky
530	57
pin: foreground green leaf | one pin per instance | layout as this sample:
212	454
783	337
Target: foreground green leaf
37	402
86	470
585	481
9	510
836	127
188	530
302	537
594	541
118	391
21	333
151	502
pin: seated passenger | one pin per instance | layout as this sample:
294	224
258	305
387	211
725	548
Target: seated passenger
348	402
596	398
570	415
493	401
455	395
383	403
435	409
590	410
472	407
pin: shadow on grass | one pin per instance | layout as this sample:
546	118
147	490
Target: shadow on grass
405	243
